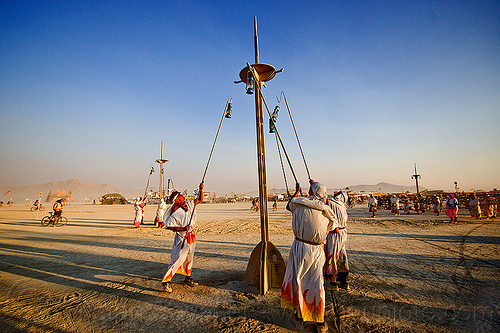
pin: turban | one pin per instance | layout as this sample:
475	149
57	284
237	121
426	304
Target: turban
318	190
342	196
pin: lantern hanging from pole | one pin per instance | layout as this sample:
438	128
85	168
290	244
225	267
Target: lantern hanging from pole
229	108
273	118
271	125
250	85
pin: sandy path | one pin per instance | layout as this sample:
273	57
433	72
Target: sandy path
99	274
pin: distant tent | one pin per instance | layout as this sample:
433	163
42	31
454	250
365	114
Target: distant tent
59	194
49	196
113	199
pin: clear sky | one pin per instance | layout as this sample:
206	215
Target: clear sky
89	89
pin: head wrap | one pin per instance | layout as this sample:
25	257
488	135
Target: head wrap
174	195
178	201
342	196
318	190
452	196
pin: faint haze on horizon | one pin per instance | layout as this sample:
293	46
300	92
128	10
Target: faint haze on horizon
88	90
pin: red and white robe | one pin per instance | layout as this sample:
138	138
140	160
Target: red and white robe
335	247
181	258
160	211
303	288
139	205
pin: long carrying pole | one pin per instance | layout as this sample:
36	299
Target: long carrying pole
149	177
297	136
215	140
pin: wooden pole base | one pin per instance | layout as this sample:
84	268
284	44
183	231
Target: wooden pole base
274	271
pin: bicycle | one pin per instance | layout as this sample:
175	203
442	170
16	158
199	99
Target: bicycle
35	208
56	222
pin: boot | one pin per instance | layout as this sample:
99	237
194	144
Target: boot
167	287
189	282
322	327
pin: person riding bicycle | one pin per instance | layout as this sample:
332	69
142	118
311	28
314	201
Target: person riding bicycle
37	204
57	207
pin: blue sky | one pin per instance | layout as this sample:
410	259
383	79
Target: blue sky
88	90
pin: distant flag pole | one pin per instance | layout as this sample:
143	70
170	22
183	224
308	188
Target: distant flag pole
417	177
161	161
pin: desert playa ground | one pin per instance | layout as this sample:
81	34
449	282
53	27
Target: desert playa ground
416	273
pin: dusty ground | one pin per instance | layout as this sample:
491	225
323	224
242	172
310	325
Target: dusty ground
416	273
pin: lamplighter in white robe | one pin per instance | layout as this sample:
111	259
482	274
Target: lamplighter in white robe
181	258
139	211
335	247
160	211
303	285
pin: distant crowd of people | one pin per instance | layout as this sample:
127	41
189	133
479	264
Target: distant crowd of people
482	205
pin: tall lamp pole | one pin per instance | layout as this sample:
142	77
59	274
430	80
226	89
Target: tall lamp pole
417	177
161	161
265	253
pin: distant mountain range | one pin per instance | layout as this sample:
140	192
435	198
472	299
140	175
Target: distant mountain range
80	190
380	187
385	188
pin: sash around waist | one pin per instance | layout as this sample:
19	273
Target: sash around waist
334	232
308	242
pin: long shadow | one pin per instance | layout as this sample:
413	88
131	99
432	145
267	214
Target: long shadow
438	238
107	242
49	271
423	261
6	319
165	245
23	223
438	259
452	317
100	225
74	223
227	243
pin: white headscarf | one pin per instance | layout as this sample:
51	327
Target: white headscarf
319	191
342	197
